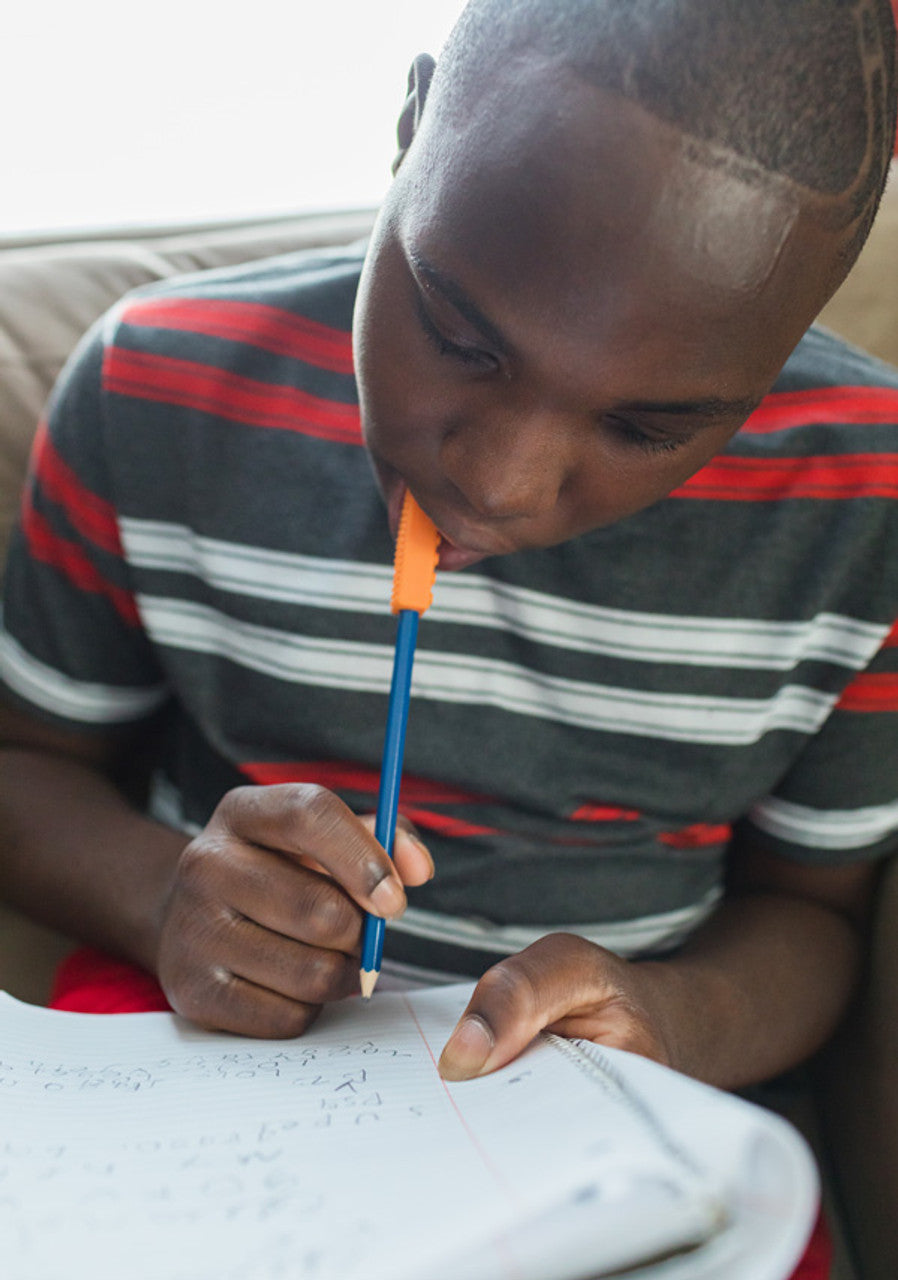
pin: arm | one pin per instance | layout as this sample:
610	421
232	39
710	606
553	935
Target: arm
755	991
74	853
243	932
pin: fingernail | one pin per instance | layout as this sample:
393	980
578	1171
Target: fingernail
419	844
467	1050
388	898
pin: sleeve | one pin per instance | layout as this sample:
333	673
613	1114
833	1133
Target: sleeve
839	801
72	648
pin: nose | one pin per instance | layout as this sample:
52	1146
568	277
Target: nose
507	463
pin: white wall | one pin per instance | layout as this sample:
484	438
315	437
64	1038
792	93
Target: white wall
114	112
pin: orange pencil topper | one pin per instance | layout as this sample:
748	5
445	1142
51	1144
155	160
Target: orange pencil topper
417	553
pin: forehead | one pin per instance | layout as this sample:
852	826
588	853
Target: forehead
574	210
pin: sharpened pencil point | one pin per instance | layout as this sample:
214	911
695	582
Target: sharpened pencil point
368	981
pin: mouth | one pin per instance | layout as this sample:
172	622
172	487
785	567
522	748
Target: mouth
454	555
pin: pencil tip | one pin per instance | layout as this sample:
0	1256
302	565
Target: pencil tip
368	981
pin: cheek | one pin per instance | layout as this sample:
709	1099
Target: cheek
614	481
388	373
405	403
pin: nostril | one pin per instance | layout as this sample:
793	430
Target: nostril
508	493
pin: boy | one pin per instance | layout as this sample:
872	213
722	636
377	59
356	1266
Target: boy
652	739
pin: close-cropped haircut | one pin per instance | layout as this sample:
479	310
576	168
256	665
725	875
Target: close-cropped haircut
805	89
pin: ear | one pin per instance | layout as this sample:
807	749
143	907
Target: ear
419	78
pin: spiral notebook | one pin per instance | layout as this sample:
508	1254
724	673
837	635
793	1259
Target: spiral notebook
140	1146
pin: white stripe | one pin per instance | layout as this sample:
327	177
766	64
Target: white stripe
825	828
624	937
166	806
455	678
478	601
75	699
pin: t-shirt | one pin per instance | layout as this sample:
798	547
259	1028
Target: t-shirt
202	540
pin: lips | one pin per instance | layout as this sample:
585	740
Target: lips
453	555
453	558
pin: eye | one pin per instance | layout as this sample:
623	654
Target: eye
462	352
633	434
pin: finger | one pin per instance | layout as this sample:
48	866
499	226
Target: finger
219	1000
518	998
245	881
307	975
303	820
411	857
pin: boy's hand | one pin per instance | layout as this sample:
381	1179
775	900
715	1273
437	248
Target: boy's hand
561	983
263	922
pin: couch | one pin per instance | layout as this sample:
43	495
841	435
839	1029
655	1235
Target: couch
51	292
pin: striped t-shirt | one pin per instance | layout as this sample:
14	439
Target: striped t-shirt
202	532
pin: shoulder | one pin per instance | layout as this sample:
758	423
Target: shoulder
830	398
319	283
254	335
297	306
822	359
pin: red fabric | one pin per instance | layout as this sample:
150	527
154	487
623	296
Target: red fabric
818	1257
90	982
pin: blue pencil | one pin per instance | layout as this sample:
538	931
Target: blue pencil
417	552
390	779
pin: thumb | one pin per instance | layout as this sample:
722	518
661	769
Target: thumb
515	1000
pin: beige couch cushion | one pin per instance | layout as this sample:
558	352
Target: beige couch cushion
865	309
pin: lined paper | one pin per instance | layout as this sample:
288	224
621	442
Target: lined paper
139	1145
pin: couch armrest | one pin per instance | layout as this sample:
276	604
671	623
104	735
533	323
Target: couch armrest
858	1100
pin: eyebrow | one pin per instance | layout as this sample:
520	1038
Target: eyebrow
710	407
706	407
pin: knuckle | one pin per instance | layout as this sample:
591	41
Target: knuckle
289	1020
199	869
511	984
314	804
232	805
198	994
323	976
328	914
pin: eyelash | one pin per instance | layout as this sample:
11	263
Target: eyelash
651	444
482	359
444	345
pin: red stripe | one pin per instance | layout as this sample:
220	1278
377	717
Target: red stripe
892	638
338	774
697	835
71	560
784	409
444	824
252	323
871	692
603	813
190	385
93	517
855	475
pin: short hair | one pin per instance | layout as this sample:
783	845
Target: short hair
805	89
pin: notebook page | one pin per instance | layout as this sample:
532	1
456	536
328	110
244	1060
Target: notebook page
140	1145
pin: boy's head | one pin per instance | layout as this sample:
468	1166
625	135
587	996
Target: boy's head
611	224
